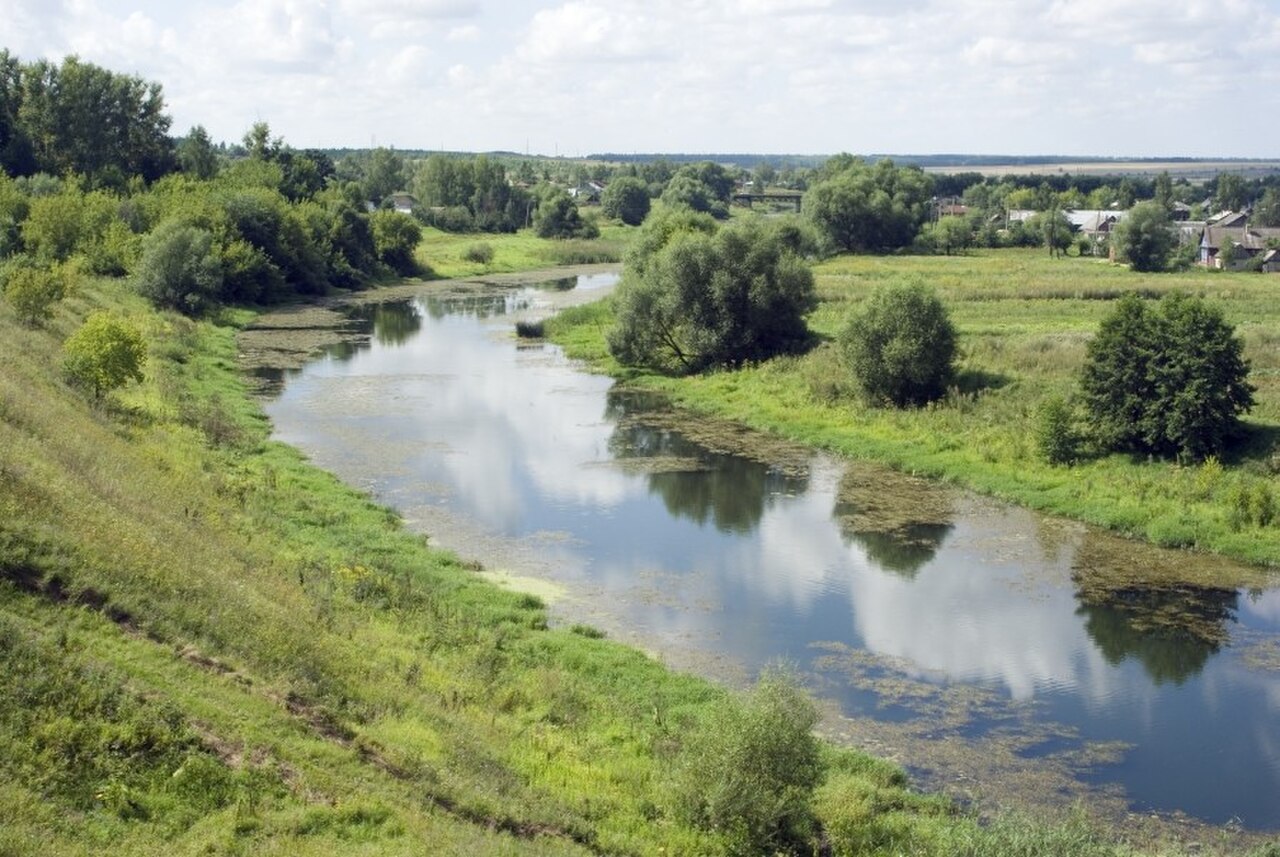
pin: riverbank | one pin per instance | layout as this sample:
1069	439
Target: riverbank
211	646
1023	321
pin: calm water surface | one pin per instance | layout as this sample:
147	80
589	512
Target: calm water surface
974	625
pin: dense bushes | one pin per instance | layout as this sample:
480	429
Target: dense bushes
1171	381
179	268
692	298
902	346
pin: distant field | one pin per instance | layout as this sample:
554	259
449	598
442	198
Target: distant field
1190	170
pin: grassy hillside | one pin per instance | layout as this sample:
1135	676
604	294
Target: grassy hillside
208	646
1023	320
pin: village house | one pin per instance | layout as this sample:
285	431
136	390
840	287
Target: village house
1246	244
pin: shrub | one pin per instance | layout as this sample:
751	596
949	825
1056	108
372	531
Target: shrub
481	253
395	237
33	290
180	268
902	346
750	770
1056	435
105	353
1170	382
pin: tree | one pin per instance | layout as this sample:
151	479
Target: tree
196	155
1267	210
384	175
862	208
1172	382
1231	194
180	268
626	199
902	345
691	299
1145	238
558	217
105	353
395	238
1163	188
750	770
686	189
32	290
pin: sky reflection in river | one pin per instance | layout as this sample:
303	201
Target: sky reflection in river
440	411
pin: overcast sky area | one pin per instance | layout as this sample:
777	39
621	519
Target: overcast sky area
1121	78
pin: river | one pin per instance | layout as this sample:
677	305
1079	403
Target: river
999	654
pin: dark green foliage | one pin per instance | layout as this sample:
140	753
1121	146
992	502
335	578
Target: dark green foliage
395	237
691	300
902	346
180	268
464	194
1145	238
481	253
558	217
1056	435
626	199
877	208
105	353
750	770
1168	382
686	190
196	155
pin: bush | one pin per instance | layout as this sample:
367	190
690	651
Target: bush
105	353
902	346
180	269
1168	382
395	237
481	253
33	290
1056	435
750	770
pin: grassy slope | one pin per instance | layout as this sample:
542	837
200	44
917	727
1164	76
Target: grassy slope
207	645
1024	320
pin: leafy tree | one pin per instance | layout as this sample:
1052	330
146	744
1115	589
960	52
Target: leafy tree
1231	193
863	208
1145	238
395	238
751	769
16	157
1052	228
1056	435
902	345
384	175
14	208
196	155
105	353
686	189
558	217
690	299
626	199
179	268
1170	382
1266	212
52	230
1164	191
952	234
32	290
80	118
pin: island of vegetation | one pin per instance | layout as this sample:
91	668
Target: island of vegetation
209	646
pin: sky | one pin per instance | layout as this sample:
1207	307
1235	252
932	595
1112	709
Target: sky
1116	78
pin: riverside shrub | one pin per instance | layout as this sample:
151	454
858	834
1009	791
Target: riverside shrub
902	346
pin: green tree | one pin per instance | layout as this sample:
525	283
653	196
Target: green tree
1163	188
902	345
180	268
196	155
32	290
750	770
862	208
690	300
558	217
686	189
105	353
395	238
1145	238
1170	382
626	199
1230	193
1266	212
384	175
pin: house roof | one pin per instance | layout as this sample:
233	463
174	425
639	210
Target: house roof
1229	219
1251	239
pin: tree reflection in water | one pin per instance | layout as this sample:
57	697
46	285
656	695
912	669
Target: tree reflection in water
900	521
723	486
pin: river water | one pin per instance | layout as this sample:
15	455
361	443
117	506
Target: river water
997	653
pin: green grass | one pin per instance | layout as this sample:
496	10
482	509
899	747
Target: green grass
210	646
444	254
1024	320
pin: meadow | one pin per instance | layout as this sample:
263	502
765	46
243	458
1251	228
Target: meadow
209	646
1024	320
